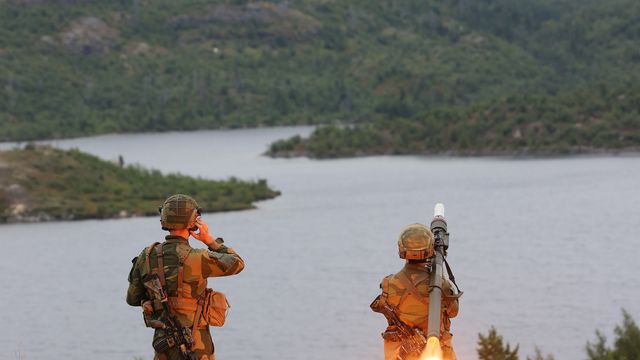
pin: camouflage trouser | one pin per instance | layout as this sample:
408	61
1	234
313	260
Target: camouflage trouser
203	348
447	348
392	349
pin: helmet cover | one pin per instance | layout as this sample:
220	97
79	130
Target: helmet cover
416	242
178	212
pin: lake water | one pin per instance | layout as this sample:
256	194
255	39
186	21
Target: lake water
544	249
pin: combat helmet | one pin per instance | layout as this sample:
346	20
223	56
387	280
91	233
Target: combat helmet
178	212
416	242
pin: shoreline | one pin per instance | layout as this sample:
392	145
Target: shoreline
22	143
506	155
47	218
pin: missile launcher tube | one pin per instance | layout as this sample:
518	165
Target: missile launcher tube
435	296
441	238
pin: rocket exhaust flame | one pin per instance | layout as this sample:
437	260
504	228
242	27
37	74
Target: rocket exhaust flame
432	351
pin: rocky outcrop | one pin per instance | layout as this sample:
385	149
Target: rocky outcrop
277	19
86	36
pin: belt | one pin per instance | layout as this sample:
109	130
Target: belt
178	304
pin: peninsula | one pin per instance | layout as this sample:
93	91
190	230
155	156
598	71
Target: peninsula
595	119
42	183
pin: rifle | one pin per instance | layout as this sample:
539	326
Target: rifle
412	340
176	334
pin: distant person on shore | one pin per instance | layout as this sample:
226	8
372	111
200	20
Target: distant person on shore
405	297
169	281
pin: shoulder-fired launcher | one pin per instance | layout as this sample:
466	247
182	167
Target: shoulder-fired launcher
441	240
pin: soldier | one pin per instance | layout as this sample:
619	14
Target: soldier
182	272
407	293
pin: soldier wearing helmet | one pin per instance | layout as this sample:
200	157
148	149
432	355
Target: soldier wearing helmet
407	293
182	272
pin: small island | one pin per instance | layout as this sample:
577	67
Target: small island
42	183
595	119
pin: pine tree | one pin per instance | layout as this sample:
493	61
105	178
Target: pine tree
626	345
538	355
491	347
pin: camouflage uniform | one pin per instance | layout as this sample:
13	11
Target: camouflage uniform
198	265
408	292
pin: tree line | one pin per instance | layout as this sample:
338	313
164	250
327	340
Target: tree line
626	345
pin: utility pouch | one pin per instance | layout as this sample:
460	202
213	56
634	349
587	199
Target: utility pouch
163	343
214	307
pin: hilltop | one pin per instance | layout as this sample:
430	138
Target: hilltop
70	68
41	183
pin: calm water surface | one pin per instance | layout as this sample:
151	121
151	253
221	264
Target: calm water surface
545	250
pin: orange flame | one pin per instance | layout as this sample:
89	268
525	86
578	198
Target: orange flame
432	351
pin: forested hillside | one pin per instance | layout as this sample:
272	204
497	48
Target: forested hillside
590	120
70	68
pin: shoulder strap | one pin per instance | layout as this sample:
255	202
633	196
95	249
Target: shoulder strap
160	255
181	259
159	269
411	289
148	251
450	273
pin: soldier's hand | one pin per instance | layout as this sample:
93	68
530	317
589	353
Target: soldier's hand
203	234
